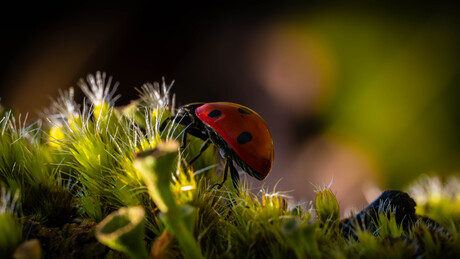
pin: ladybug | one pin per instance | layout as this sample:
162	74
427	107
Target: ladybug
240	133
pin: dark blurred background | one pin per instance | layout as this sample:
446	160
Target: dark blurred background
365	96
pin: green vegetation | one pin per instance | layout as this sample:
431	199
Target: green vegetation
95	180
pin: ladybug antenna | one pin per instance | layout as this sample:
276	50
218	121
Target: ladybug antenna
172	108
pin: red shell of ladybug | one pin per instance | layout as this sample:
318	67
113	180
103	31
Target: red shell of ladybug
244	130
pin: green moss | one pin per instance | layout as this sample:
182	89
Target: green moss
89	162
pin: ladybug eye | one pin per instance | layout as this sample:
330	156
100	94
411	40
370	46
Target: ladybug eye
244	137
214	113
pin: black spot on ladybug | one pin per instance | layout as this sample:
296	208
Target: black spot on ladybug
244	137
214	113
244	110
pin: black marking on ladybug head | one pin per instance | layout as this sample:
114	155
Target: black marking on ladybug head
188	109
244	137
214	114
245	110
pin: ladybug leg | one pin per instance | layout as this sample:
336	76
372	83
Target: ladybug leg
219	185
234	174
184	137
165	122
202	149
192	130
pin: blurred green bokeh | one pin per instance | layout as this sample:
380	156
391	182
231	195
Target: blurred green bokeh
394	90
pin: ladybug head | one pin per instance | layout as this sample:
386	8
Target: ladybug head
185	115
188	110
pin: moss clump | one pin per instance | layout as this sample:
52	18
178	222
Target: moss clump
85	162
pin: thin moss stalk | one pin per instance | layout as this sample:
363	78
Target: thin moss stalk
156	168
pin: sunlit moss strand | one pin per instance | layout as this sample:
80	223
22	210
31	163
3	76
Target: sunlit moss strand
56	135
326	206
